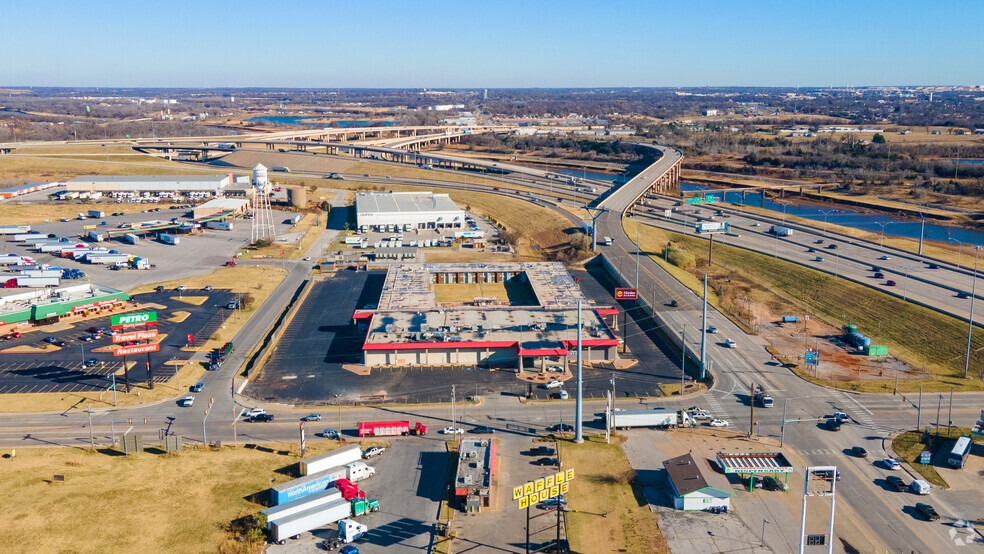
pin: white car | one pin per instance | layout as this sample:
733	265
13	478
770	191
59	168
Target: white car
756	224
254	412
307	258
554	384
555	369
452	431
730	343
891	463
186	402
718	423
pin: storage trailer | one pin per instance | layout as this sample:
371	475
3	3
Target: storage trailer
331	459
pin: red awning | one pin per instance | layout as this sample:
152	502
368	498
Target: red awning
542	352
607	311
359	314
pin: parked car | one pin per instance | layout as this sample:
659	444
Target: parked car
86	338
927	511
553	384
718	423
159	288
555	369
546	462
208	288
756	482
254	412
182	287
561	427
859	452
311	417
897	483
91	362
348	549
542	451
891	463
372	451
770	483
232	305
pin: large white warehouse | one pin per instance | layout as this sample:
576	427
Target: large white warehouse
403	211
150	183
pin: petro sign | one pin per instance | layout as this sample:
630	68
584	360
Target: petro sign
626	294
136	335
125	321
137	349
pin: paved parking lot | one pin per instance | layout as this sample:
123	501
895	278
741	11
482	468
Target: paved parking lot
194	255
61	370
306	367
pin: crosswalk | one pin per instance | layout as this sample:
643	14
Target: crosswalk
717	410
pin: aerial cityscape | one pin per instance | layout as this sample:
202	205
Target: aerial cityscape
509	278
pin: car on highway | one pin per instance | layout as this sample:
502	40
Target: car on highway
897	483
452	431
197	387
730	343
832	246
483	430
561	395
554	384
330	434
261	418
859	452
933	266
718	423
820	241
311	417
674	303
963	295
879	275
884	258
307	258
890	283
552	462
186	402
372	451
561	427
891	463
756	224
927	511
712	329
818	259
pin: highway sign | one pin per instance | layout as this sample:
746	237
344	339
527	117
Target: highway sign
694	200
540	490
812	357
925	457
137	349
136	335
125	321
626	294
710	198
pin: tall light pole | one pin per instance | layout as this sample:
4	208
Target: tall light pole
959	249
922	231
970	329
638	249
825	214
703	334
883	225
578	437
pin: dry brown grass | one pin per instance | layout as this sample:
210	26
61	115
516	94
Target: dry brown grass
39	213
151	503
604	483
461	293
50	168
312	225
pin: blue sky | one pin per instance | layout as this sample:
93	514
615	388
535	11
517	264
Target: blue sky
532	43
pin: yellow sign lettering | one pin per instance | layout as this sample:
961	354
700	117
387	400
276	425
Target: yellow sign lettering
539	485
549	481
570	474
523	502
517	492
544	494
528	489
559	478
554	491
564	487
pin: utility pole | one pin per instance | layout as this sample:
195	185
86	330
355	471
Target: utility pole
683	356
949	414
613	393
782	424
922	230
578	437
638	248
92	441
939	404
454	427
703	334
751	403
970	327
919	412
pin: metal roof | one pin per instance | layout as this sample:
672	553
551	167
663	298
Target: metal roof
404	202
754	463
109	179
688	476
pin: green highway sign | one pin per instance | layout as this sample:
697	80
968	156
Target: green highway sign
694	200
125	321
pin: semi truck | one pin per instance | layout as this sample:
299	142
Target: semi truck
48	272
220	225
781	231
19	237
97	214
659	417
140	263
390	428
332	459
37	282
319	516
296	506
108	259
130	238
764	399
73	274
169	239
95	236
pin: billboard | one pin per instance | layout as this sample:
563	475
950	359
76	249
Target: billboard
137	349
540	490
136	335
626	294
125	321
712	226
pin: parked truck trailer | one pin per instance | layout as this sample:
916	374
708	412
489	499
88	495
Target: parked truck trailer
221	225
169	239
301	504
312	518
332	459
97	214
38	282
650	418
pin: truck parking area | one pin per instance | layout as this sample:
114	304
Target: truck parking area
26	368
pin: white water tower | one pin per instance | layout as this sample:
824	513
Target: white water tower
260	176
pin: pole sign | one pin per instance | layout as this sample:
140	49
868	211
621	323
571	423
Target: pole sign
812	357
694	200
87	227
546	487
626	294
136	335
125	321
137	349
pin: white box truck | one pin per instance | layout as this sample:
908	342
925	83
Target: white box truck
130	238
333	458
95	236
650	418
220	225
169	239
781	231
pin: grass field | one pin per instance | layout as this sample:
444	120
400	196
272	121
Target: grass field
910	444
312	225
604	483
152	503
47	167
785	287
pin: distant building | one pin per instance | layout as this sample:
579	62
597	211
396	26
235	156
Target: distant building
237	207
709	113
403	211
212	184
695	486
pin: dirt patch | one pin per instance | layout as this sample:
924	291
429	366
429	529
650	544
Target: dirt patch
179	316
29	348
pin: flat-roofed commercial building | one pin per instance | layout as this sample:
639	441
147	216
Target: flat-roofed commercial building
232	206
403	211
212	184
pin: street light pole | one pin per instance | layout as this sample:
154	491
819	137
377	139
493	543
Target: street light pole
922	232
883	225
825	214
959	249
683	356
578	436
703	334
970	329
